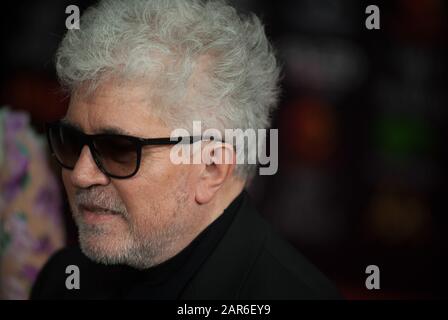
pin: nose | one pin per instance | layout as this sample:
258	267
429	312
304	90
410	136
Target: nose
86	172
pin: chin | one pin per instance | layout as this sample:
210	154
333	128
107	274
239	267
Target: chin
103	249
112	251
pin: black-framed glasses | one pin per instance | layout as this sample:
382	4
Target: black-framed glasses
117	156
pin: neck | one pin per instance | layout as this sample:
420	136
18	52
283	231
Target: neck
223	199
209	213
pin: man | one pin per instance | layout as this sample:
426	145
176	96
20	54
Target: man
150	228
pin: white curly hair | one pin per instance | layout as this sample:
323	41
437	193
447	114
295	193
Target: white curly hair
165	40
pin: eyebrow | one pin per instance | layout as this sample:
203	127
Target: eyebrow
104	130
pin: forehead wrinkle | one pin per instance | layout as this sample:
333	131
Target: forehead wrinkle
119	108
108	129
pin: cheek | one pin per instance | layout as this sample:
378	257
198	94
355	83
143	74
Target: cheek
155	194
136	196
157	175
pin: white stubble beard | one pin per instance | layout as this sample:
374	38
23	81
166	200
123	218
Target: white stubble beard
143	246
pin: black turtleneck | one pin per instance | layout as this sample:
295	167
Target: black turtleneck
165	281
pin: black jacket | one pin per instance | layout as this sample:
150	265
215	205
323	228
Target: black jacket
249	261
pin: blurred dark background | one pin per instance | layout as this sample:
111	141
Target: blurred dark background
362	128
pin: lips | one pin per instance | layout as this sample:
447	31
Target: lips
98	215
97	210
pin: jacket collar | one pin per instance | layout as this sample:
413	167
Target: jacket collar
222	275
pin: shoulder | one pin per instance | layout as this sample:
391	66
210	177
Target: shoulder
254	262
280	271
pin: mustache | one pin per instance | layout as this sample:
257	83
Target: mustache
99	199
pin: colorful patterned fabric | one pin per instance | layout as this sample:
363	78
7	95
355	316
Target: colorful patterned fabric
31	227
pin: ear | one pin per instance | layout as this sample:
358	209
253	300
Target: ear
219	161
